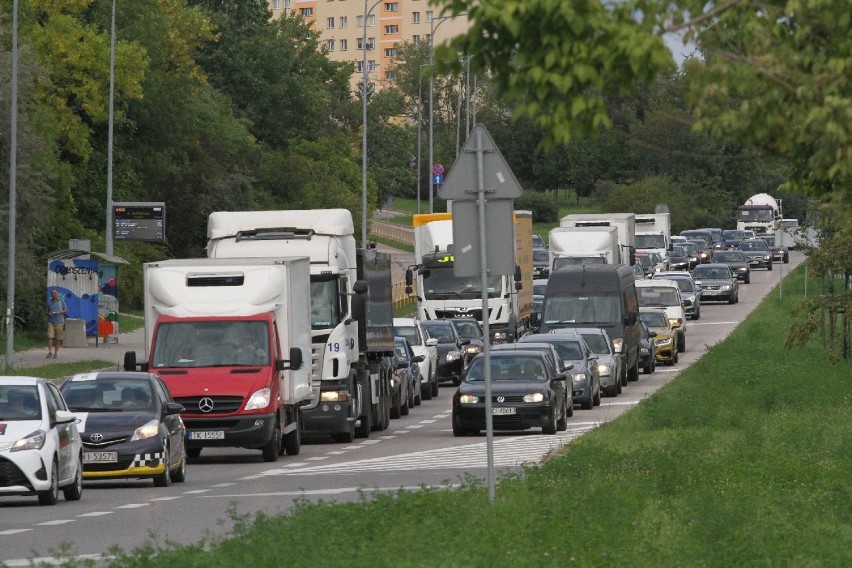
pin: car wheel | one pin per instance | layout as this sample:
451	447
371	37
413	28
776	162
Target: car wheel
179	474
74	491
569	407
51	495
786	259
165	478
562	423
193	452
272	449
675	358
436	386
596	400
292	443
405	405
747	280
551	426
459	432
618	388
587	404
418	396
731	299
649	368
633	372
624	377
396	407
769	267
669	363
426	391
682	345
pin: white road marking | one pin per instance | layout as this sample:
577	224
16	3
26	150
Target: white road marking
337	491
428	421
54	561
387	437
414	426
55	522
96	514
318	458
352	447
132	506
223	485
621	403
172	498
15	531
294	464
335	453
370	442
195	491
714	323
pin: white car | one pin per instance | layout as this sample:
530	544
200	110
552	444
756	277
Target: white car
40	447
421	344
665	294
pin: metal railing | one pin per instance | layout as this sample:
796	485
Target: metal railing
399	297
394	232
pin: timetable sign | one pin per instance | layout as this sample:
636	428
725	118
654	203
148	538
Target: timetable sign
139	222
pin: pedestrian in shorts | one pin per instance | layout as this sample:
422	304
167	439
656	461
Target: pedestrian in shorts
56	311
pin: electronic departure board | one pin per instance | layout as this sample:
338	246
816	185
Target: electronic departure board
139	222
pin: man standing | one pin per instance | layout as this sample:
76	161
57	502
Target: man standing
56	311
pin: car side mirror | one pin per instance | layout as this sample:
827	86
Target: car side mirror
652	334
419	358
401	365
568	366
65	417
431	342
464	342
174	408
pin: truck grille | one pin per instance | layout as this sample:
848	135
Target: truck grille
221	404
473	314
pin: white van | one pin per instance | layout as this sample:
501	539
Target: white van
665	294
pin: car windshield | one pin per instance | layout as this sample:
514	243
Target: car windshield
211	343
104	395
753	245
597	343
678	251
510	368
19	402
410	332
540	255
467	329
400	351
605	308
711	273
729	257
443	332
654	319
568	349
657	296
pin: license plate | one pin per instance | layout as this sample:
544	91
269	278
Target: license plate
100	457
503	410
216	435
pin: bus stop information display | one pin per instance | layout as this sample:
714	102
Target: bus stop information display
139	222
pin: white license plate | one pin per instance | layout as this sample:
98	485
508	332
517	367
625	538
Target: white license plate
100	457
217	435
503	410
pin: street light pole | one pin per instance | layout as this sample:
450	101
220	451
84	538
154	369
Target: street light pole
419	127
13	189
109	244
364	128
432	29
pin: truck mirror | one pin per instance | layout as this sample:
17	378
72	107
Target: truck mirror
534	321
517	275
518	285
632	256
360	287
130	360
294	363
409	279
409	290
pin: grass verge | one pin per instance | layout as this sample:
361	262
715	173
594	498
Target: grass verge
61	370
743	460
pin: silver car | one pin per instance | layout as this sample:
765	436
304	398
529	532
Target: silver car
421	344
612	365
717	283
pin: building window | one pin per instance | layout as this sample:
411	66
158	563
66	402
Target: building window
344	21
306	12
359	21
415	17
371	20
394	29
392	6
429	39
428	16
390	52
329	23
344	45
371	66
390	75
359	66
371	41
415	39
329	43
276	4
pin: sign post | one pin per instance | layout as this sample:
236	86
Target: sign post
483	232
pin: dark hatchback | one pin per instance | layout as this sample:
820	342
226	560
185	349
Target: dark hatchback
526	392
736	261
757	252
130	426
470	330
451	354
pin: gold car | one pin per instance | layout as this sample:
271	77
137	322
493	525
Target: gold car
657	321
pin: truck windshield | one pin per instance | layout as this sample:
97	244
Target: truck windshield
442	284
593	309
751	215
654	241
325	304
559	262
211	344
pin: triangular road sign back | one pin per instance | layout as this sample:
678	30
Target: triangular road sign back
499	181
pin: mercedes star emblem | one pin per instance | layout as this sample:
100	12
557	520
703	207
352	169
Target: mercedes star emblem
205	404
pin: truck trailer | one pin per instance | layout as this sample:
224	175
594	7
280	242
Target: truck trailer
583	245
228	337
624	222
654	234
351	324
441	294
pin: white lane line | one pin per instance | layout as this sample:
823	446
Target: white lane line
223	485
403	431
196	491
335	453
54	561
15	531
370	442
250	477
414	426
294	464
132	506
352	447
669	370
55	522
713	323
337	491
318	458
386	437
96	514
167	498
621	403
428	421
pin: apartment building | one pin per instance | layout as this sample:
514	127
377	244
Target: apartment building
389	22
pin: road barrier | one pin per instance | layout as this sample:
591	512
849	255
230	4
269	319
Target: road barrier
393	232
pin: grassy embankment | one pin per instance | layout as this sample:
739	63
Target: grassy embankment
743	460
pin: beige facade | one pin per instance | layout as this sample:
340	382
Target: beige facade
389	22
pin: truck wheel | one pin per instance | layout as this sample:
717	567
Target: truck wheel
273	447
633	372
293	440
346	436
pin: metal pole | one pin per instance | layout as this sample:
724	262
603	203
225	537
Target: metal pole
458	118
419	125
431	117
109	243
467	99
13	176
364	133
475	77
486	328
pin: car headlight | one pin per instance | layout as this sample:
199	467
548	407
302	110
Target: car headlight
579	377
534	397
767	257
725	287
604	369
453	356
743	268
664	341
468	399
259	399
472	349
336	395
34	441
147	430
703	255
644	350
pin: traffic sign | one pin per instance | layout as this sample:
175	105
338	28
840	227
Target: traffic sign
499	181
438	169
437	179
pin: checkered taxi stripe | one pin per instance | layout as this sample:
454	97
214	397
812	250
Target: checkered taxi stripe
143	460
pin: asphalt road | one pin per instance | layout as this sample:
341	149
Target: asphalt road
417	450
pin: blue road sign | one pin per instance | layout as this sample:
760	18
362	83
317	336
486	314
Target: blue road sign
437	180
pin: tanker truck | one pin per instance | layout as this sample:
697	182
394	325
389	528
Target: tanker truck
760	213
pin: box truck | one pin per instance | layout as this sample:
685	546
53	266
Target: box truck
624	222
583	245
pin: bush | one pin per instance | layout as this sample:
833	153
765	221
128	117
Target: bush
544	208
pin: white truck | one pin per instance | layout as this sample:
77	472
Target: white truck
228	337
583	245
654	234
441	294
624	222
351	310
760	213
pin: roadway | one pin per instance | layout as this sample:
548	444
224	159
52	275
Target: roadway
417	450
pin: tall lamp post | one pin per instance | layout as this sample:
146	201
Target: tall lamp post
367	11
419	124
109	247
13	176
432	29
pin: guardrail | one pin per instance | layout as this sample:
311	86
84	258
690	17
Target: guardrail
391	231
